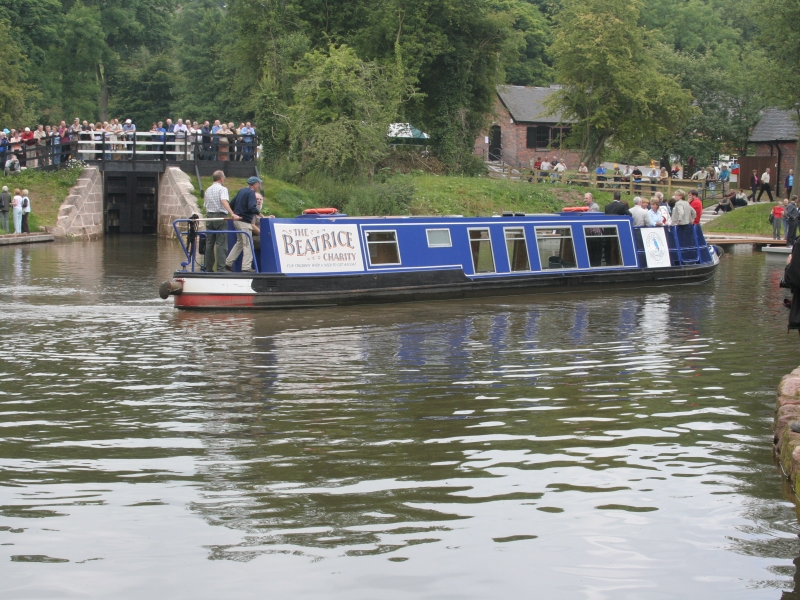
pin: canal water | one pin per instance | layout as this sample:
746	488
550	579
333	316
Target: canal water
588	445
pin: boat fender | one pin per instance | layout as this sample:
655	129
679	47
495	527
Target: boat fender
171	287
320	211
718	250
575	209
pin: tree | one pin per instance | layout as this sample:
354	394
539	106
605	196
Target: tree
343	107
780	23
13	90
613	87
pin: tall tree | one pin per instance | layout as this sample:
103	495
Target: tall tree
613	87
13	89
342	110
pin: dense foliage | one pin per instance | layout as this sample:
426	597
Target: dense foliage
322	79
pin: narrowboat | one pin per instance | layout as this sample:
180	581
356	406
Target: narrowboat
324	258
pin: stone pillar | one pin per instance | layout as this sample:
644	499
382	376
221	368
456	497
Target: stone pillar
175	200
81	214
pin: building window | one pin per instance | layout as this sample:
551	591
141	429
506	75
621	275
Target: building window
559	137
517	250
530	137
382	246
480	243
542	137
602	244
439	238
556	250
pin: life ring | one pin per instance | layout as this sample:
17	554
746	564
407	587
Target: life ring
320	211
575	209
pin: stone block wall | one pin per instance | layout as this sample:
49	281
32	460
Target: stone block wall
175	200
81	214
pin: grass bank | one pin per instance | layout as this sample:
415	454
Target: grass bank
47	190
280	198
753	219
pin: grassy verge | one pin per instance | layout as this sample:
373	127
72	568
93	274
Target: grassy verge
752	220
472	196
47	190
280	198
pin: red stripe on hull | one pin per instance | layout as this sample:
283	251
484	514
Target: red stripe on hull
213	301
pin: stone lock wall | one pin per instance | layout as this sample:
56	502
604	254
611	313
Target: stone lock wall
787	442
81	213
175	200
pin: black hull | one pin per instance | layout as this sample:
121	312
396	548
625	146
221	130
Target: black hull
276	291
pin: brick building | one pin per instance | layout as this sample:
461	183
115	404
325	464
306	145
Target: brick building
523	128
775	139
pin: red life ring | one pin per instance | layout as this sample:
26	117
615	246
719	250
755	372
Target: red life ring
575	209
320	211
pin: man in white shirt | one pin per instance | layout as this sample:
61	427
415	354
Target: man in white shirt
641	218
218	208
765	187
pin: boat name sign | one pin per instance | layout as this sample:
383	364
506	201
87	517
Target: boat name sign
318	248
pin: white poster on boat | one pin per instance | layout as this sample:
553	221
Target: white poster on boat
318	248
656	250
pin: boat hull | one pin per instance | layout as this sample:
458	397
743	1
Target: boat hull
276	291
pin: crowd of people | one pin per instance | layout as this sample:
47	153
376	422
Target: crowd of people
680	209
19	205
111	140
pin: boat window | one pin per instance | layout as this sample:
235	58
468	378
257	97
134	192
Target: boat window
383	248
517	250
481	245
602	244
556	250
439	238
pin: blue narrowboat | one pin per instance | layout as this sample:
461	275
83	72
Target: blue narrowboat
333	259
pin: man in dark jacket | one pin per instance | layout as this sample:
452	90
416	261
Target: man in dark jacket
244	205
617	207
792	213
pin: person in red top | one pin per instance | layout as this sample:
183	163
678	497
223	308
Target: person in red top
697	205
777	219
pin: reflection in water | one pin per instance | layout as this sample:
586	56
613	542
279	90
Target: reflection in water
599	445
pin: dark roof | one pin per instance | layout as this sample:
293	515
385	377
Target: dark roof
775	125
527	104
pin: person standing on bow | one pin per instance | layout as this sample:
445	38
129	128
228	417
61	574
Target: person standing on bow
244	205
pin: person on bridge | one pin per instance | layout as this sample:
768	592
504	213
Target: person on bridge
217	207
696	204
245	205
765	187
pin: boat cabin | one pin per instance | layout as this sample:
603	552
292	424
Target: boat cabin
481	247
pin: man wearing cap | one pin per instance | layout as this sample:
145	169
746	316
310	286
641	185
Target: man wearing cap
244	205
5	205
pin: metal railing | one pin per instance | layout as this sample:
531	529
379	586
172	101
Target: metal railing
190	247
135	146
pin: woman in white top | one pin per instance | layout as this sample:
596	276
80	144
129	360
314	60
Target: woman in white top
16	206
26	210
